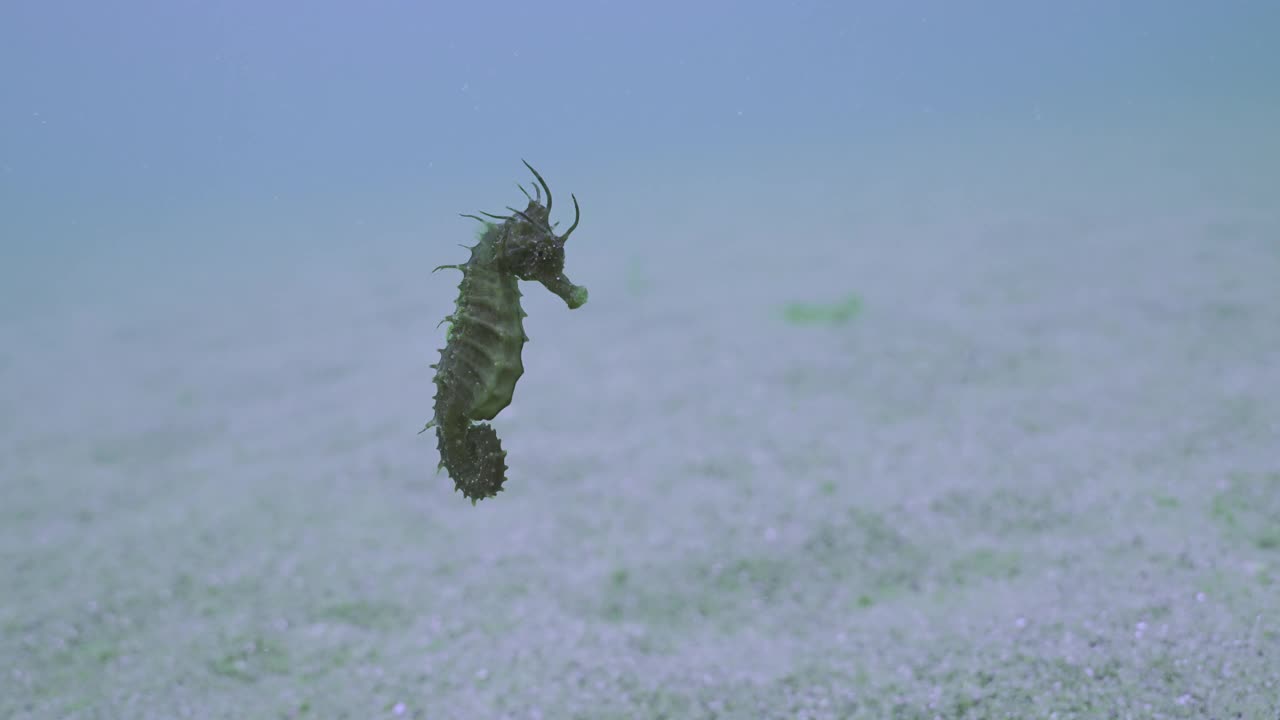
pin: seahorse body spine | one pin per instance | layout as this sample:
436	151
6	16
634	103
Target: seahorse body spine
478	371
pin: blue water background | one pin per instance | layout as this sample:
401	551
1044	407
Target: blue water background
167	148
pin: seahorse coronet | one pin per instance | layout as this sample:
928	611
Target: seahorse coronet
481	362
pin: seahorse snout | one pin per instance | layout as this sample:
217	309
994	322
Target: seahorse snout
575	296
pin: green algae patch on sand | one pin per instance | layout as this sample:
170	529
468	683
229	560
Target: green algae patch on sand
831	314
1248	509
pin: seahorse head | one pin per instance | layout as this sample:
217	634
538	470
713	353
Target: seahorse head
534	252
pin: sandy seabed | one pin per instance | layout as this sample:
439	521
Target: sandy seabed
1037	475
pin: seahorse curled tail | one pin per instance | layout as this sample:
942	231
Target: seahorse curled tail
473	456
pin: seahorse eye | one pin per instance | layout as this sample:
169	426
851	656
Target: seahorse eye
550	257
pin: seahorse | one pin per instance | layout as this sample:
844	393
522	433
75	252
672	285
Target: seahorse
481	360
